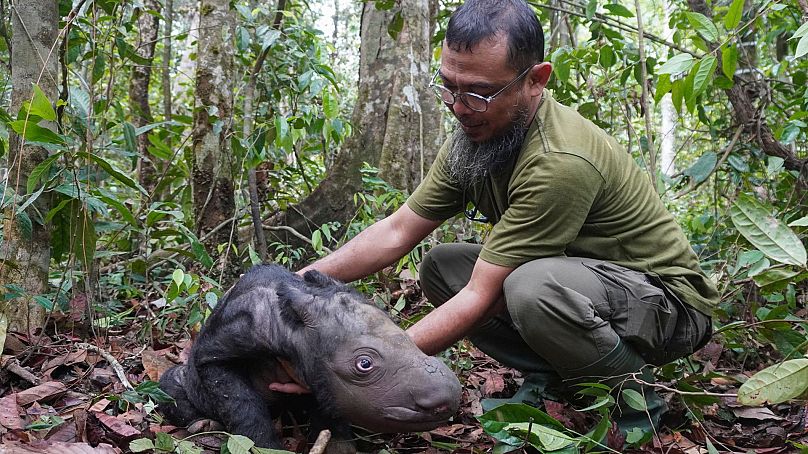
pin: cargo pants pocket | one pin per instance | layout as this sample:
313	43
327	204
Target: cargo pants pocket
641	314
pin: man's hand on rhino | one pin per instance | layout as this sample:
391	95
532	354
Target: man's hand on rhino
289	388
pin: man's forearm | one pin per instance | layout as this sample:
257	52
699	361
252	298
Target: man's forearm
367	253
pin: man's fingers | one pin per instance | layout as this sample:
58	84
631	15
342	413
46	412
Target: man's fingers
288	388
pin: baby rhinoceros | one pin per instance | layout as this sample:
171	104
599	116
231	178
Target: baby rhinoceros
275	326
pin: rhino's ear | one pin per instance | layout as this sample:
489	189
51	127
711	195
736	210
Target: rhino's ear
318	279
297	306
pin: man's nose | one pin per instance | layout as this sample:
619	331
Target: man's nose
460	109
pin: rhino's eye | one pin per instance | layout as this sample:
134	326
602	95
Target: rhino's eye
364	363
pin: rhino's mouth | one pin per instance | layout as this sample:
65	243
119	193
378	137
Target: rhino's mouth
409	415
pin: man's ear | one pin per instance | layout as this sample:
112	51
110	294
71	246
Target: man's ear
538	77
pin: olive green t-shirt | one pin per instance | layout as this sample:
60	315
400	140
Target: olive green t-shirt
574	191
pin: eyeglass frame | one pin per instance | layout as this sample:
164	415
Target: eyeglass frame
461	95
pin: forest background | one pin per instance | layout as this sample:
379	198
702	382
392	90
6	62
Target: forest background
155	149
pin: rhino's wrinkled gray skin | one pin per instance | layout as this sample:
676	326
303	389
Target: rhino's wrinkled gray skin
360	367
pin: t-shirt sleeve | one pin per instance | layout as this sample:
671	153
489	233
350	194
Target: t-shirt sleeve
548	203
436	198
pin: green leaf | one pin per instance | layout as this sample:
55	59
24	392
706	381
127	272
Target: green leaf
774	276
591	9
703	25
121	208
801	222
802	31
41	169
25	225
802	47
41	106
546	438
317	240
130	138
141	444
330	105
702	168
775	384
83	231
396	25
188	447
710	448
729	61
705	69
178	276
677	64
114	172
35	133
165	442
755	222
663	86
618	10
239	444
270	38
634	399
733	17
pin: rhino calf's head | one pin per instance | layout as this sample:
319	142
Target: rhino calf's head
374	375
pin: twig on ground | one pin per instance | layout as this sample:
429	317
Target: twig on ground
116	366
321	443
13	366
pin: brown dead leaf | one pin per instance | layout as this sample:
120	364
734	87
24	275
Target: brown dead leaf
65	433
760	414
116	425
10	412
494	382
47	447
154	364
43	392
449	431
99	406
74	357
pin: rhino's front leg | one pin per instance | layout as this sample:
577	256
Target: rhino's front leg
231	398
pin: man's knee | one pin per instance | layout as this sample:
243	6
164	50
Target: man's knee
446	269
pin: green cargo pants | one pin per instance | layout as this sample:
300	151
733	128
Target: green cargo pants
583	319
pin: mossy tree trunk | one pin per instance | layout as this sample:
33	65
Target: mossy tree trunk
213	175
148	26
395	119
25	250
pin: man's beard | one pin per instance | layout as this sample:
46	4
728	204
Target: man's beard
469	162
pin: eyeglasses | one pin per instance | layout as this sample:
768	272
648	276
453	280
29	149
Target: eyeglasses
473	101
473	212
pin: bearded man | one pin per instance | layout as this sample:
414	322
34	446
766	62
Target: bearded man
584	276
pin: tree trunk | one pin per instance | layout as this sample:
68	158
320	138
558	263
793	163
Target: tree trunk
168	12
411	138
667	148
148	25
393	75
213	189
24	257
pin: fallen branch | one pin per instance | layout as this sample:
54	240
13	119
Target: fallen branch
294	233
321	443
13	366
116	366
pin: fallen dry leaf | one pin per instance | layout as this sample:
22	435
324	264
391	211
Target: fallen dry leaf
10	412
154	364
116	425
46	447
758	413
99	406
45	391
494	382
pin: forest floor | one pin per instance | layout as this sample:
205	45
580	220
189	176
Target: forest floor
65	393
